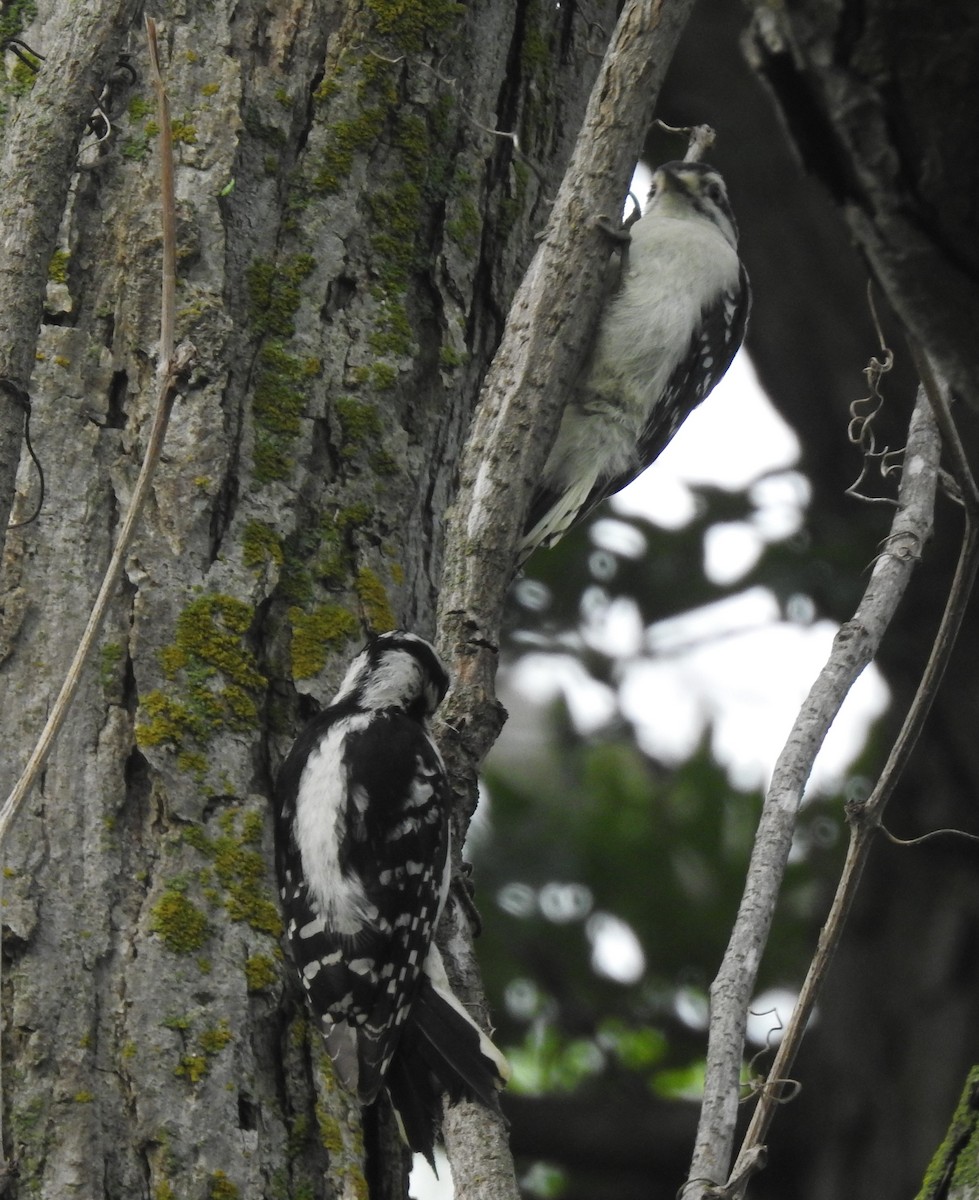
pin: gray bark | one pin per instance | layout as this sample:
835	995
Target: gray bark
36	166
349	238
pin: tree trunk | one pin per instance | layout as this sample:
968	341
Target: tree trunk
350	234
952	1174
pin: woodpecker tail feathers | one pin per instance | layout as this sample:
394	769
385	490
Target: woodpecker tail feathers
441	1050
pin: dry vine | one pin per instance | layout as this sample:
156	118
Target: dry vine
863	414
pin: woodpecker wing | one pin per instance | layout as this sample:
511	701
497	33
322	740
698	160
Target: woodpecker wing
403	862
713	346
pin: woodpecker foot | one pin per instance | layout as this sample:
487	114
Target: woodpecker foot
617	233
464	890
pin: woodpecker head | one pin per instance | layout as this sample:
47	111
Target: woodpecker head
396	670
692	191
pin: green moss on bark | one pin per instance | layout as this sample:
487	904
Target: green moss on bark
261	972
240	868
221	1188
412	23
261	545
179	922
374	601
215	681
315	634
281	378
345	139
954	1168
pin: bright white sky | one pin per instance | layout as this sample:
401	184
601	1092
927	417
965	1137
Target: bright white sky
736	666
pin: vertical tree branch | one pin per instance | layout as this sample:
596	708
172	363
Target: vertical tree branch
865	818
544	342
854	647
545	339
542	346
865	821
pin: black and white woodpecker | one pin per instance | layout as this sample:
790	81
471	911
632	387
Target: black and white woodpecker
666	336
363	859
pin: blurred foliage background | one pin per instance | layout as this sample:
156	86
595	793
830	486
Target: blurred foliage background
586	837
608	880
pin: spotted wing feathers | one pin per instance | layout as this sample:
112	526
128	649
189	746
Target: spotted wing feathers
712	349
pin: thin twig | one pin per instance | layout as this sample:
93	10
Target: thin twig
700	138
168	300
927	837
170	367
854	646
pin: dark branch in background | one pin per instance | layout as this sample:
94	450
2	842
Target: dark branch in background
546	336
846	137
854	647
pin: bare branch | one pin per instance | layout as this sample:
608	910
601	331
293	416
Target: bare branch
854	647
865	818
543	345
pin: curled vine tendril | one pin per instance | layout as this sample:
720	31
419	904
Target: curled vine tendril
863	413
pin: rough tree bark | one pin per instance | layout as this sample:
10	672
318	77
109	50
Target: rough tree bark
350	235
